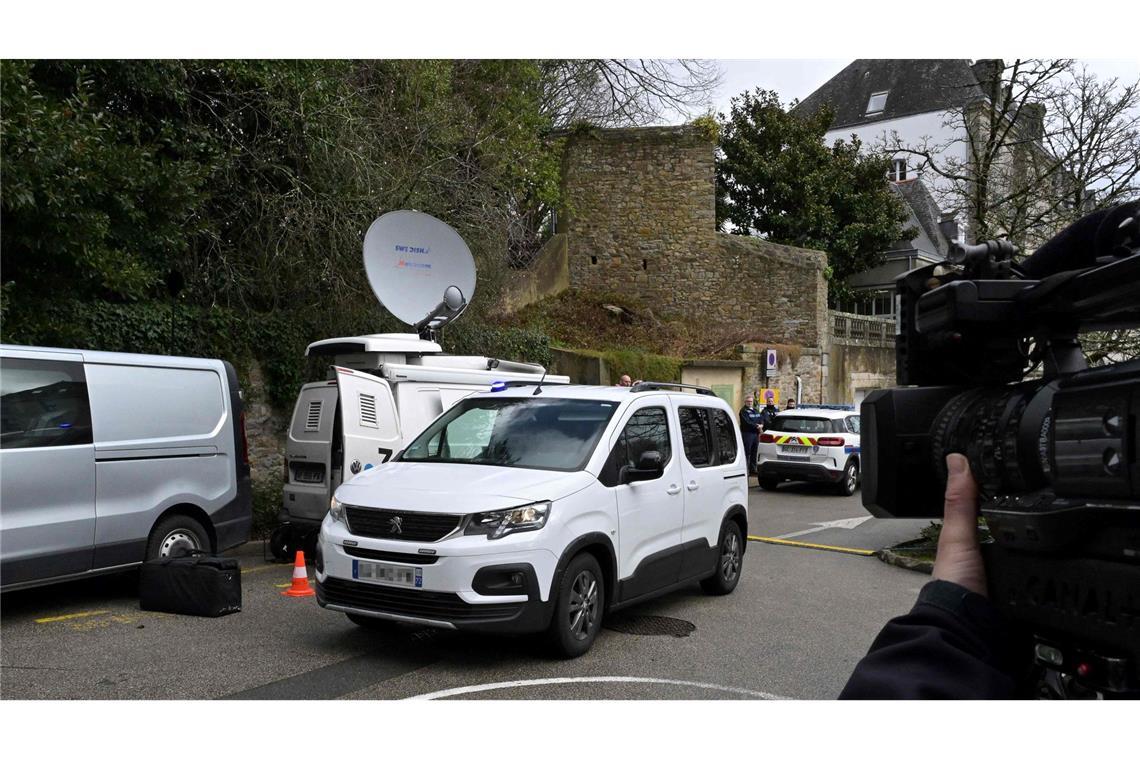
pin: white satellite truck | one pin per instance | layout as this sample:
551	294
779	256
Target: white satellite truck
382	390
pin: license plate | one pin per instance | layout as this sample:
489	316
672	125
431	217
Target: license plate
789	449
396	575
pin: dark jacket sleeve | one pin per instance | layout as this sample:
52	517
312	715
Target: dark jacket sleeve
747	427
952	645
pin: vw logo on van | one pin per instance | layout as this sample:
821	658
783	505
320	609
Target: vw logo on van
396	524
355	466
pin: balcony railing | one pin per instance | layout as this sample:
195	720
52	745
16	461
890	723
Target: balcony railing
862	330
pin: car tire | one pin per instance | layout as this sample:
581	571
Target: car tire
176	536
769	484
850	480
578	608
372	623
729	562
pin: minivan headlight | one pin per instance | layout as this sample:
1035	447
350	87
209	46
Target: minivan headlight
336	510
503	522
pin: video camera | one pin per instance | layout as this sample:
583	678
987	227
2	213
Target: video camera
988	355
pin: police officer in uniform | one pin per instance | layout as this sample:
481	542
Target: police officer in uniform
750	430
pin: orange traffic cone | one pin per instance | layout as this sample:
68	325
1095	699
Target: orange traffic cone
300	585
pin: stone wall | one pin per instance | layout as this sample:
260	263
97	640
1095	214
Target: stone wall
861	356
806	363
548	275
265	429
640	219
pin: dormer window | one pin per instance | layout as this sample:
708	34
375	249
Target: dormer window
898	170
877	102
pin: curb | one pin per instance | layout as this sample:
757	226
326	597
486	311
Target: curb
905	562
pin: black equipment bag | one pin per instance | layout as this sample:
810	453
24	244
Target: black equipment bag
191	585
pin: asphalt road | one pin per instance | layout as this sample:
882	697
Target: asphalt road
795	626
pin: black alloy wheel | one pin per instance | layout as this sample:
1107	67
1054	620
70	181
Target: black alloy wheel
729	562
850	480
578	608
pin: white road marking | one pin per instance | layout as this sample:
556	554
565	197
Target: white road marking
849	524
591	679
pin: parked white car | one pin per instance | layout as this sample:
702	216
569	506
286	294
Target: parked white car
541	509
814	444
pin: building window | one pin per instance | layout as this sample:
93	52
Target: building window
877	102
898	170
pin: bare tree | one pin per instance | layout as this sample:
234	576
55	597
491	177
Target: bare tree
627	92
1048	143
1094	132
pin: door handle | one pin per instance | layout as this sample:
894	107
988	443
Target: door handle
673	490
692	485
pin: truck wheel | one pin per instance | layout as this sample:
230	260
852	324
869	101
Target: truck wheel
176	536
281	543
850	480
578	608
769	484
729	561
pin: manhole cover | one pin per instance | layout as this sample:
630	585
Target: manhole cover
651	625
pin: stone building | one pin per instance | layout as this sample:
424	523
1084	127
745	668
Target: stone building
639	219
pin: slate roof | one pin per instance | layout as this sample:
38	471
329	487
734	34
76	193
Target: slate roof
915	85
925	212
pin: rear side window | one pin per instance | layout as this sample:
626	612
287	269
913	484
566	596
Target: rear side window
134	403
725	437
43	403
695	435
853	425
802	424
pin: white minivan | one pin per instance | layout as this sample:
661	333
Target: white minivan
108	459
540	508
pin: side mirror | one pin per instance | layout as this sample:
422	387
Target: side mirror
649	467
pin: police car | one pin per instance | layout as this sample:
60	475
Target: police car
813	444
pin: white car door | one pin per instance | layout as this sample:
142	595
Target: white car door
650	512
368	419
714	476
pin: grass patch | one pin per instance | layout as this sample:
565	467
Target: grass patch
610	322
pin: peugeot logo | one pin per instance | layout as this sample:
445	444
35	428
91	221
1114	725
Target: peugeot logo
396	524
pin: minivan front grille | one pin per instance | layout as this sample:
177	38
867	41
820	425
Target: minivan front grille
313	420
431	605
409	559
400	526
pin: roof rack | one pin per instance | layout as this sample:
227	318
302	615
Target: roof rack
652	386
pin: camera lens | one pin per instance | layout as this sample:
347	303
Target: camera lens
1000	431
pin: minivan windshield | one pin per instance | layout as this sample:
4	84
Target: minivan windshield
537	433
801	424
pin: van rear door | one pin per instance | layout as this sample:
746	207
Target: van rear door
368	419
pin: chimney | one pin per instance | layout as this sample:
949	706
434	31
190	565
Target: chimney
1032	121
949	228
988	72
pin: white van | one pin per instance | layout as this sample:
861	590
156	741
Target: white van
107	459
381	392
540	509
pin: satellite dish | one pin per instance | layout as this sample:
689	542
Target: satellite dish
419	268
